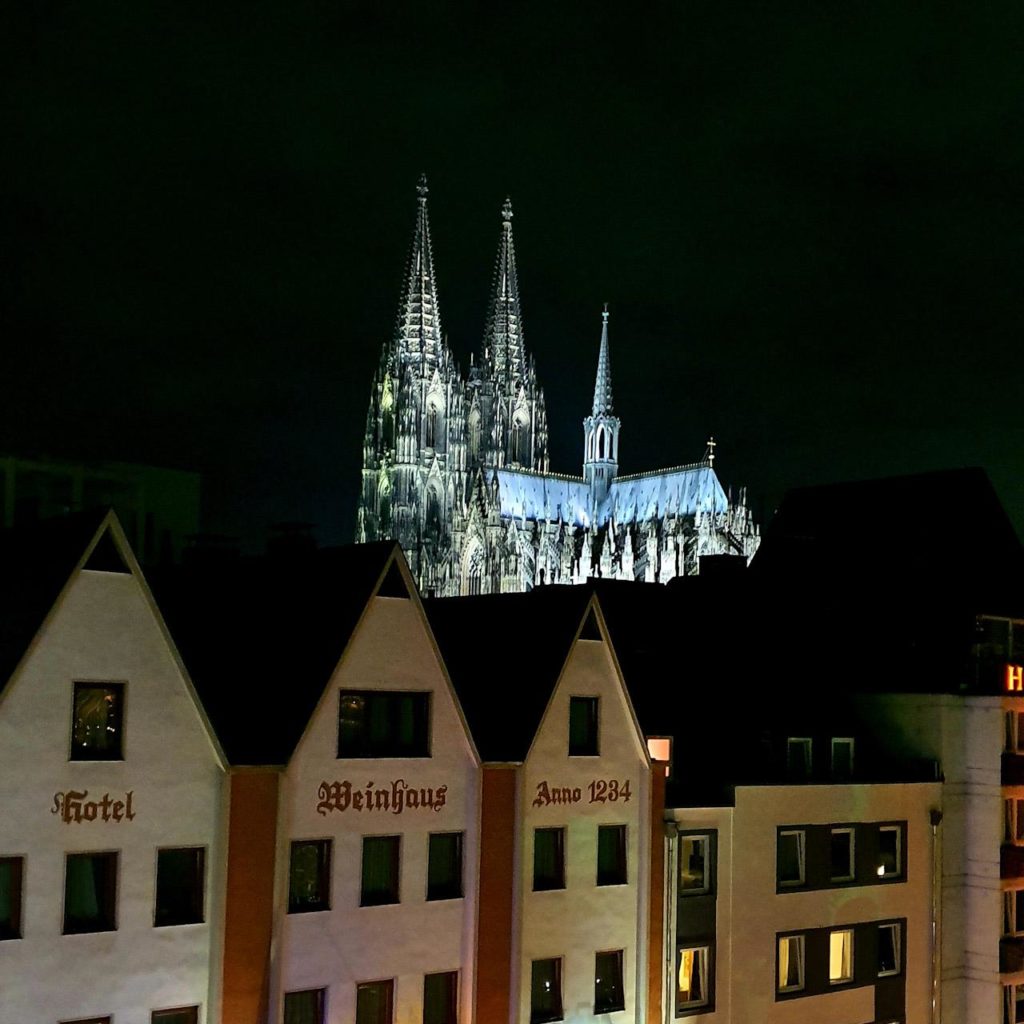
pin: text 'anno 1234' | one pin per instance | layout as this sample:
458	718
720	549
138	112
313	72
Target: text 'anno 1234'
599	791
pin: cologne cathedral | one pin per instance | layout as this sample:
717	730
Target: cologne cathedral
456	469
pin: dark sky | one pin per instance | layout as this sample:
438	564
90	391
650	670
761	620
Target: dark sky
807	220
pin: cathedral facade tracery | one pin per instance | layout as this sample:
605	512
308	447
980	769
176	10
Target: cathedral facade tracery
457	470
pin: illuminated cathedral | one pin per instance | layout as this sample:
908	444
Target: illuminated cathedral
456	469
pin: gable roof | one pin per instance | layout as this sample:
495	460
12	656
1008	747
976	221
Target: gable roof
261	638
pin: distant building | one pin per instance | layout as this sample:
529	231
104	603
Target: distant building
457	470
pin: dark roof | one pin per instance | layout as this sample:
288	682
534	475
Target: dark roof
36	562
261	637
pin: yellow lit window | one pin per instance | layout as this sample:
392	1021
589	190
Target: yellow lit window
840	956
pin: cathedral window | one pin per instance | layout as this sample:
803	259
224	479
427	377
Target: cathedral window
383	723
474	434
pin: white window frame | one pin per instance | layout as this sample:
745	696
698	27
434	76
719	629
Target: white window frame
702	953
897	944
848	741
706	840
898	873
846	978
799	943
801	835
1012	923
1010	1003
852	873
808	742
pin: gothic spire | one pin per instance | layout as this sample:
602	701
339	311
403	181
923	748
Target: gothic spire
504	355
603	384
418	326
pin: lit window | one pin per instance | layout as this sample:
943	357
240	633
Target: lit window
790	976
888	949
548	859
304	1007
383	723
375	1002
97	722
692	987
890	851
90	893
444	866
1014	732
1013	1006
611	855
583	719
546	991
842	757
840	956
381	860
309	876
693	864
180	877
11	871
842	855
181	1015
798	757
441	998
609	995
790	857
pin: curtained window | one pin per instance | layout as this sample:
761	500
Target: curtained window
611	855
583	725
444	866
309	876
441	998
97	722
383	723
791	963
692	987
90	893
179	886
608	990
375	1002
548	859
546	991
182	1015
11	871
304	1007
381	858
840	956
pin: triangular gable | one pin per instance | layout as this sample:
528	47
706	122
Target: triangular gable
105	556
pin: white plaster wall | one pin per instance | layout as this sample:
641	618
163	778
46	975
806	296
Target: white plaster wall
584	918
336	949
104	630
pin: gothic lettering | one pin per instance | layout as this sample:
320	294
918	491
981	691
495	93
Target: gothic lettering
74	807
600	791
396	797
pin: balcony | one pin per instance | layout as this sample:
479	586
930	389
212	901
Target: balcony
1011	955
1011	861
1012	770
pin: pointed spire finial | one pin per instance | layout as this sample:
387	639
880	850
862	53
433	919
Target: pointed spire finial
604	315
421	188
506	210
709	455
603	384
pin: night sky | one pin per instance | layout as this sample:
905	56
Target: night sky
807	221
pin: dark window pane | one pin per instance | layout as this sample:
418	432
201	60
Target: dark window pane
179	886
182	1015
381	856
611	855
10	897
304	1007
889	852
440	998
842	758
842	855
548	859
96	723
309	887
798	757
888	949
546	991
90	892
790	858
583	726
383	723
374	1002
608	992
444	868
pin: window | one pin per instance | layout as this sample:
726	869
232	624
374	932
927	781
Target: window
383	723
1013	912
790	858
1013	1004
583	726
609	995
842	757
1014	732
309	876
692	990
611	855
304	1007
90	893
441	998
546	991
840	956
1014	830
548	859
444	866
89	1020
381	858
182	1015
693	865
842	855
375	1002
890	851
11	871
798	757
179	886
790	976
888	950
97	722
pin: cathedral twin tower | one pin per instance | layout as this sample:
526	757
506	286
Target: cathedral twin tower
456	470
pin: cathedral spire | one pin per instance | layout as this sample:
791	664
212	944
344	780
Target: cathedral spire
504	355
603	383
